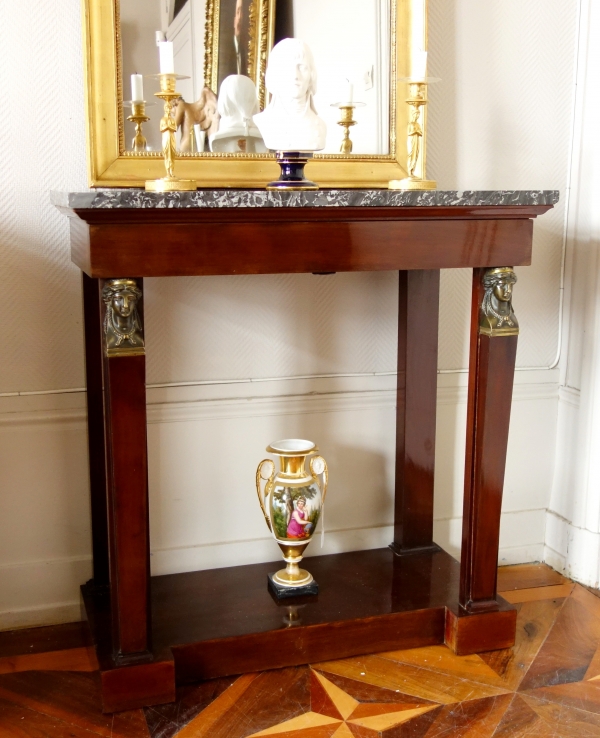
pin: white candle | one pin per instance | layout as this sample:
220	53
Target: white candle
167	65
348	92
137	88
419	16
419	65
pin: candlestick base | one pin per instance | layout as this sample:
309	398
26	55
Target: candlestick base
412	183
171	184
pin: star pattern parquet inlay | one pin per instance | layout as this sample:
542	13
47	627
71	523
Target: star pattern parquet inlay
547	686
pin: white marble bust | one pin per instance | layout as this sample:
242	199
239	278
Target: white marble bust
236	106
290	121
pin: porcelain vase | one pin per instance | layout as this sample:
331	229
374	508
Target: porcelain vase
292	500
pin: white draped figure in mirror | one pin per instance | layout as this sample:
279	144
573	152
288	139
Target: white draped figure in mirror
290	121
237	104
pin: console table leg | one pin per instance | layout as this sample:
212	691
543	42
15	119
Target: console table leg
494	334
95	411
126	445
418	319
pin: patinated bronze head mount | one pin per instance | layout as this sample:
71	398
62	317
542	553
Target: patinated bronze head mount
497	317
123	330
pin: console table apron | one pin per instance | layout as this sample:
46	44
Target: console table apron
151	632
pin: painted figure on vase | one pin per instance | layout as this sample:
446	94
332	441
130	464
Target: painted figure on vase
123	332
295	511
203	113
497	316
299	525
290	121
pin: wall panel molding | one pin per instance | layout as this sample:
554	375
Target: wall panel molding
281	396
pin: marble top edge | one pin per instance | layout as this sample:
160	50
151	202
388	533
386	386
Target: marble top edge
227	198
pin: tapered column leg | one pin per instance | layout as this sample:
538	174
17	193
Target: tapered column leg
126	446
494	334
416	410
95	411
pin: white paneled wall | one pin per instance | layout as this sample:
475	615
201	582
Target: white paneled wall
501	118
573	521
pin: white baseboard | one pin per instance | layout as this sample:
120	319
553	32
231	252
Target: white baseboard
232	553
36	617
22	582
42	592
554	559
573	551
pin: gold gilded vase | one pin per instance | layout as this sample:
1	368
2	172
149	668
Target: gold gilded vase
292	501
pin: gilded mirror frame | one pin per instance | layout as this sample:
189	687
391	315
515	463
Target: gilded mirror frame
110	166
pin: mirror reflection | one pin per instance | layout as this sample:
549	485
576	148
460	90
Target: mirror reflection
222	48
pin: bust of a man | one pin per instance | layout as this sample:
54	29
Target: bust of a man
237	104
290	121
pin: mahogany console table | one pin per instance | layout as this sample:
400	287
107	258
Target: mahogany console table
151	632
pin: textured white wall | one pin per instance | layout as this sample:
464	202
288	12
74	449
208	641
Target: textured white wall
43	147
501	118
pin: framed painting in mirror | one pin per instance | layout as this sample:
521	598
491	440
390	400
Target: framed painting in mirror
365	49
237	38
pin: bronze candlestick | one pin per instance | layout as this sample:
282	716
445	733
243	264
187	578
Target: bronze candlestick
416	139
168	128
138	116
347	121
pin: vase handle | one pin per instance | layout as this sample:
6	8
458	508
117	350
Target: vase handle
269	483
321	468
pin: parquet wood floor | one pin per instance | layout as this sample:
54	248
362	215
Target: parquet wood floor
547	686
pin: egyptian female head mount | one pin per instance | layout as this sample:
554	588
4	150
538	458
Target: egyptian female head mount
497	317
123	331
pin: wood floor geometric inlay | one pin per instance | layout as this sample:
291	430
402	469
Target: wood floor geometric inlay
547	686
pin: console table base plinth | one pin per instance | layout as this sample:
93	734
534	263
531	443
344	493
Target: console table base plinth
223	622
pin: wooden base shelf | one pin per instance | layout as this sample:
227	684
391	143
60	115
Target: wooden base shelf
221	622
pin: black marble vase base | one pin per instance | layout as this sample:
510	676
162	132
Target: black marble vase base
282	593
292	177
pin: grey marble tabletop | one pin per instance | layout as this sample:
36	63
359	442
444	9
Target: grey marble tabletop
231	198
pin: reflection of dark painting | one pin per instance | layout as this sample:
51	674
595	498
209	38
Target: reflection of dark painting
234	16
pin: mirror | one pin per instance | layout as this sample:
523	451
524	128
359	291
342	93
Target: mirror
213	39
360	47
